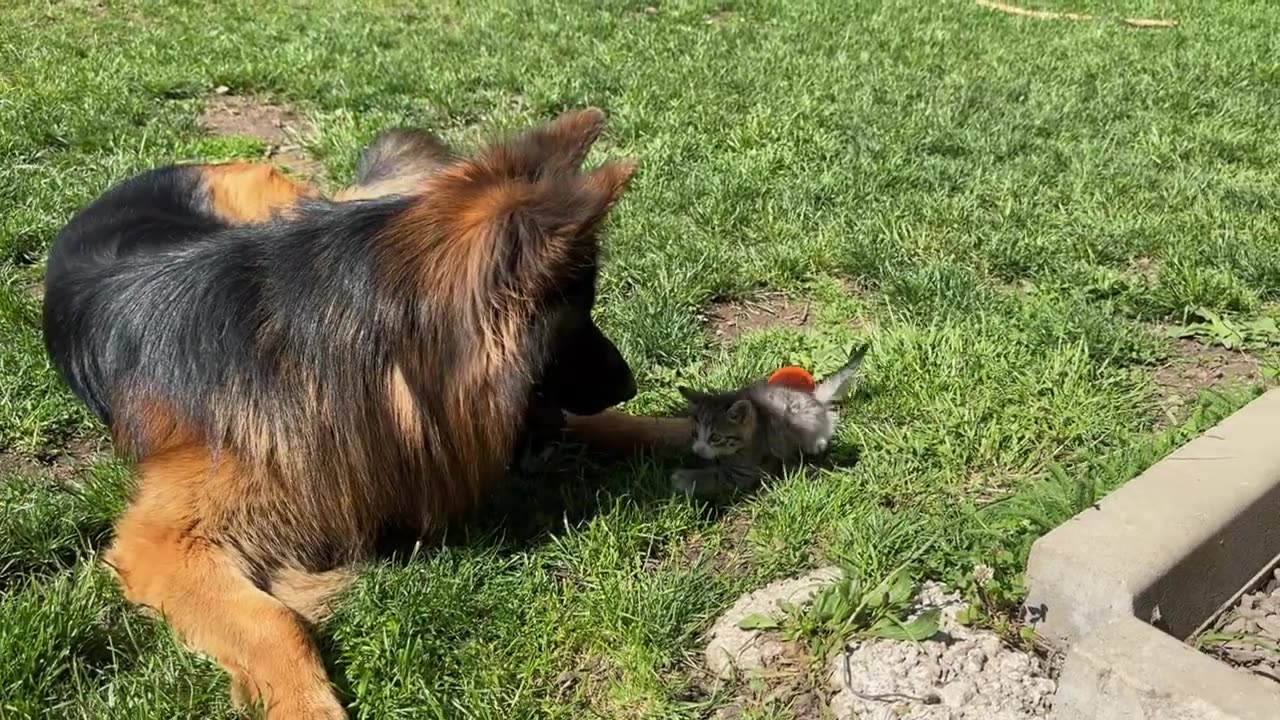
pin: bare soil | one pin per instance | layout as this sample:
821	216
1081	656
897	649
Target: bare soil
280	127
1195	367
729	319
63	466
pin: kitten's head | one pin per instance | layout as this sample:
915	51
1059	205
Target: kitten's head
721	423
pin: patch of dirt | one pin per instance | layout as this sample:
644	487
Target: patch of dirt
721	16
1196	367
64	465
1247	636
769	674
732	651
1145	269
727	320
279	126
640	13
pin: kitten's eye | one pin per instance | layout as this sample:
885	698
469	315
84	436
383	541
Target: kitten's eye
716	438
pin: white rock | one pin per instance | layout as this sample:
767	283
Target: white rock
731	649
957	694
1270	625
974	676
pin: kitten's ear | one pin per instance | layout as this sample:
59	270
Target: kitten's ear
689	394
740	410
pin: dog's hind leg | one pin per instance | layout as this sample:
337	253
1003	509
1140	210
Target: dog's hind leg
201	588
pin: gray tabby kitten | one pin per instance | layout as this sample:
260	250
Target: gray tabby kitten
760	428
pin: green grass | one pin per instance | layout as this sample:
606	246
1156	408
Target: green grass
1009	209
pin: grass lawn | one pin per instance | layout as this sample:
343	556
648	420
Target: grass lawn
1013	211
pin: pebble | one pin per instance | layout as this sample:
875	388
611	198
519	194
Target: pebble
972	675
1270	625
956	694
1239	625
1256	617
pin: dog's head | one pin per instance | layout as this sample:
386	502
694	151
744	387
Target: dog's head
525	220
585	372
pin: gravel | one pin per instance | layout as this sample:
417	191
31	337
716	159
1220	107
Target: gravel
961	674
1248	635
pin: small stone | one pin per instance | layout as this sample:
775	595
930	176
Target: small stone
911	655
1044	687
1242	655
991	646
1270	625
1250	610
956	694
1267	670
1238	625
221	90
927	672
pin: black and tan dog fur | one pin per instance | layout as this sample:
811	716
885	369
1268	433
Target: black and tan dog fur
293	375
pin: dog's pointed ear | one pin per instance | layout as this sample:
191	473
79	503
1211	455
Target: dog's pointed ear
600	190
555	148
561	145
551	227
520	209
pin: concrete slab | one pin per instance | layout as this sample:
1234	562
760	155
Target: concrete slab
1127	670
1172	545
1121	584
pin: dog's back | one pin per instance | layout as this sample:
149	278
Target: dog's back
156	212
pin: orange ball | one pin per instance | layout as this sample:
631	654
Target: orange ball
793	377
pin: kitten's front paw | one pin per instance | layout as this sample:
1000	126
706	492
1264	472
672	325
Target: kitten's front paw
817	447
685	481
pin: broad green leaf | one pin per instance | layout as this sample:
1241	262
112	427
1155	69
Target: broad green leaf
758	621
826	604
900	590
968	615
922	628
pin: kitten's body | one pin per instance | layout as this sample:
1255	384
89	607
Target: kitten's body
760	428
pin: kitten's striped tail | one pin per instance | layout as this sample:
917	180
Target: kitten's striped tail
835	388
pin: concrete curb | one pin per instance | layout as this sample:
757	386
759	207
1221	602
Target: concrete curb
1129	671
1151	562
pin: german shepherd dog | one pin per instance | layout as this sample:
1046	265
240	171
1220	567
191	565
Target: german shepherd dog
294	376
